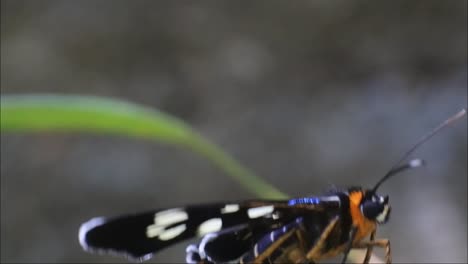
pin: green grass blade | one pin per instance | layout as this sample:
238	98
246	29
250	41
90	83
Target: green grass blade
88	114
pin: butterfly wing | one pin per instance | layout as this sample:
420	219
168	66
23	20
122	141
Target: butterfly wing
138	236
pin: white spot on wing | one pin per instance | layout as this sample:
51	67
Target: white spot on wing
85	227
169	217
172	232
164	219
154	231
210	226
256	250
230	208
275	216
260	211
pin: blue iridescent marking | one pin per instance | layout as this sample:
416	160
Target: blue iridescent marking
305	200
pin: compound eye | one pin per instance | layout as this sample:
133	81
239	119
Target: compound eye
371	209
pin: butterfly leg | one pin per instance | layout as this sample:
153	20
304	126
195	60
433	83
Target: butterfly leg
369	249
382	243
281	251
315	252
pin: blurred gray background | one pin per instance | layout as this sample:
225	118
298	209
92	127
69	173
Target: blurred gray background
305	93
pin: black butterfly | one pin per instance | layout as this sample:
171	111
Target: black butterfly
239	231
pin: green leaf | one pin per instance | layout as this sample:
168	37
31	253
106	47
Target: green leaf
41	113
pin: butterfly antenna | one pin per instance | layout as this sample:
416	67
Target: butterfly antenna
397	168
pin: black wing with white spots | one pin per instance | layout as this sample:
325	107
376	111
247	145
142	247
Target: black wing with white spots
138	236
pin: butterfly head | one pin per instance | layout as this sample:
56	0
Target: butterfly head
375	207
